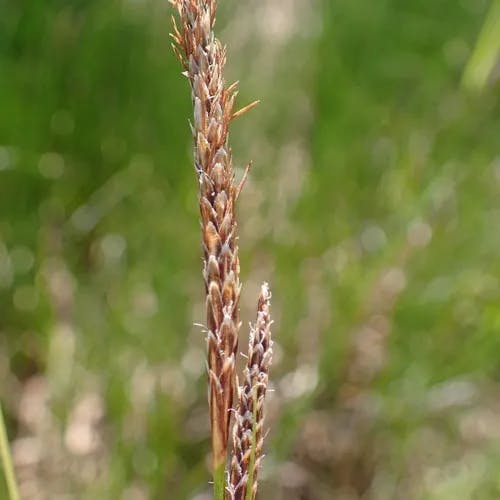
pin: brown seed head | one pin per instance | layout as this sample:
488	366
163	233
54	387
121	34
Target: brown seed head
203	59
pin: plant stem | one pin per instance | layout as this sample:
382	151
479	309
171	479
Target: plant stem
219	483
251	466
7	461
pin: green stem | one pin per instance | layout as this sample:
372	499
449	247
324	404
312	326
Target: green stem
219	483
251	465
7	460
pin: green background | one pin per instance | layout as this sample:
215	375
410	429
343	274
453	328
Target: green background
372	209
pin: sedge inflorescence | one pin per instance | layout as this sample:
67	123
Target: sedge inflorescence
203	59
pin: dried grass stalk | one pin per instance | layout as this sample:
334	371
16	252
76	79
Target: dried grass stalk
203	59
249	415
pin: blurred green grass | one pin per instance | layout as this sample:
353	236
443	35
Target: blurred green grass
373	201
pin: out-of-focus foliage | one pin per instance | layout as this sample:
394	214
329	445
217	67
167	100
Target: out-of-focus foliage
485	54
372	208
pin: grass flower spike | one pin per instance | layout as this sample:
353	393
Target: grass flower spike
203	59
248	429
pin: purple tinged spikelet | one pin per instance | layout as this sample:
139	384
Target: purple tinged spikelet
248	434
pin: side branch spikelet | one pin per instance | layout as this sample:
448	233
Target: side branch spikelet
249	415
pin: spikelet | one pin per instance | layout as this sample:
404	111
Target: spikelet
203	59
249	415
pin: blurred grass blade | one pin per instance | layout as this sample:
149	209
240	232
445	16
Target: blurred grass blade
7	460
486	51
